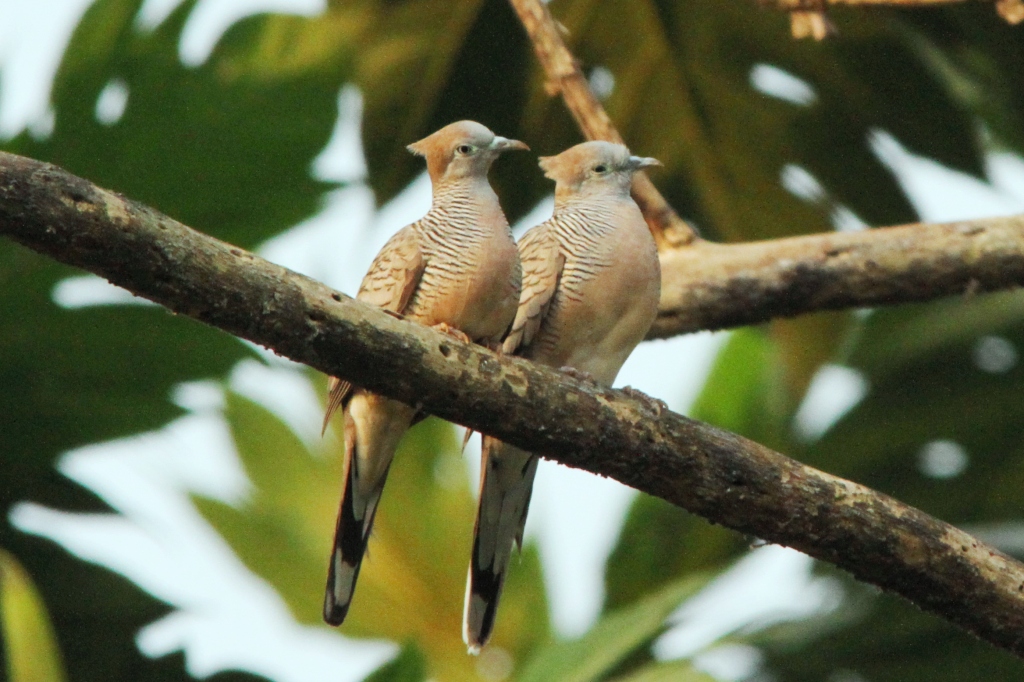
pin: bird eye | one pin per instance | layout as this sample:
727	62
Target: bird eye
464	149
601	168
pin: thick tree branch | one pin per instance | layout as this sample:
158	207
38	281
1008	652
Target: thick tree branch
713	286
564	76
721	476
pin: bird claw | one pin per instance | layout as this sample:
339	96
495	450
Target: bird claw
451	331
578	374
465	438
656	405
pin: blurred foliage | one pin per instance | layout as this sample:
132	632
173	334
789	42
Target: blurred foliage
227	147
612	640
408	666
412	582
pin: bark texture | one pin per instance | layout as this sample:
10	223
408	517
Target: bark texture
622	435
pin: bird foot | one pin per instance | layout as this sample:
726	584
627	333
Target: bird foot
392	313
578	374
451	331
657	406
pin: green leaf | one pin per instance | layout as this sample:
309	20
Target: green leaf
659	542
611	640
408	666
225	147
744	392
670	671
29	642
412	581
880	638
974	55
929	397
683	93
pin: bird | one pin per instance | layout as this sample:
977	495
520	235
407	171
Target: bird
591	284
456	269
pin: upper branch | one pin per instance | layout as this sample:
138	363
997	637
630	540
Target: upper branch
564	76
713	286
721	476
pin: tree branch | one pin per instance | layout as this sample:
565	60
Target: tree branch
1010	10
564	76
714	286
721	476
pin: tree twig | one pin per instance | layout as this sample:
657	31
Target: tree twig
1005	7
721	476
807	12
714	286
564	76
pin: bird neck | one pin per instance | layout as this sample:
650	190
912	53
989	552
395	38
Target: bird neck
584	202
586	193
462	195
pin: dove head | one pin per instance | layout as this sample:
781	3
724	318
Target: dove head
462	150
594	168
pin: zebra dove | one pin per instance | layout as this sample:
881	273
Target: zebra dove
591	283
456	269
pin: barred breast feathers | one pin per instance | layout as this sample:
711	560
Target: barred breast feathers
582	233
458	223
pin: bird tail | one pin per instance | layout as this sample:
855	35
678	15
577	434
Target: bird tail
355	521
506	483
373	428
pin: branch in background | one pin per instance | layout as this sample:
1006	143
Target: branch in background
564	76
808	16
714	286
626	436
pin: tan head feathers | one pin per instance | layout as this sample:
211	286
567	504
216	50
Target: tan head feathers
462	149
596	161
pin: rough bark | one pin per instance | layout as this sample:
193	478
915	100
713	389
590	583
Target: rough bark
622	435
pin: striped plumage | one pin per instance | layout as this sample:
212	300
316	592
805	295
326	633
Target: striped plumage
456	268
591	284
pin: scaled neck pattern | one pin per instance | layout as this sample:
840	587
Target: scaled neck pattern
582	229
464	205
462	215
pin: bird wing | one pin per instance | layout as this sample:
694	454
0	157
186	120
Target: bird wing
542	261
395	272
389	284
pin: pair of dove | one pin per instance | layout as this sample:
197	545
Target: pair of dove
579	293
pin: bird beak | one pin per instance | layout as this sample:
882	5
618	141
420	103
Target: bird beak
638	162
503	144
